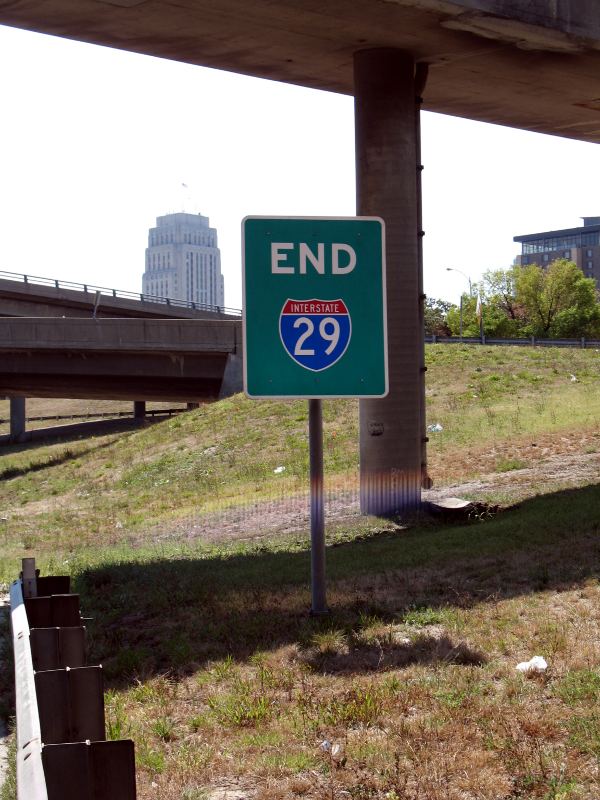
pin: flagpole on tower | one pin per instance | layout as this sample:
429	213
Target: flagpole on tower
185	193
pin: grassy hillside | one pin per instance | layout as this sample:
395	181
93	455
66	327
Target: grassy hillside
493	403
409	689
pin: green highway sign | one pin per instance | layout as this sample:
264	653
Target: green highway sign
314	307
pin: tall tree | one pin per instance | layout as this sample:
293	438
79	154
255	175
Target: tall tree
436	312
558	301
499	289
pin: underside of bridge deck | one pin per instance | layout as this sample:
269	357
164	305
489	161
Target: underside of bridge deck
531	65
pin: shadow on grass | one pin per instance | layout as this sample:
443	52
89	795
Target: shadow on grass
177	614
50	461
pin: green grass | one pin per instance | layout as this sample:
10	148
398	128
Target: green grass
8	790
212	663
122	490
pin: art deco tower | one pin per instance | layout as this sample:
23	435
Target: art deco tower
183	261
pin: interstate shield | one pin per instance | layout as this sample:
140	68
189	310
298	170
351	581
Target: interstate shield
315	333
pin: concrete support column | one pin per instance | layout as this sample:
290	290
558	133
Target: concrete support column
139	409
391	429
17	418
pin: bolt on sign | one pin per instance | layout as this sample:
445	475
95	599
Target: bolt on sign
314	307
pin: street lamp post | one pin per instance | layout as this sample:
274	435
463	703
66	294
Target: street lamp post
460	272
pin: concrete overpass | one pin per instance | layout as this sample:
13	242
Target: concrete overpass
530	64
32	296
117	359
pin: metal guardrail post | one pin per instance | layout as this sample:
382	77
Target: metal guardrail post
63	705
31	783
56	648
29	578
71	704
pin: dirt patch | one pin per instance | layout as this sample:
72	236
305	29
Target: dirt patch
445	466
558	466
559	471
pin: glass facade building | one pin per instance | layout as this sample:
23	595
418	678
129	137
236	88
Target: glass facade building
580	245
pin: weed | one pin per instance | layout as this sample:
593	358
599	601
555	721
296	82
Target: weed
221	670
149	759
240	707
579	686
584	733
356	706
326	642
198	722
164	728
509	464
420	617
117	726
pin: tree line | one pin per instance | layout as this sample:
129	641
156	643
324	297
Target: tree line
557	302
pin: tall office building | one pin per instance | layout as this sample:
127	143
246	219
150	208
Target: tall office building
183	261
581	245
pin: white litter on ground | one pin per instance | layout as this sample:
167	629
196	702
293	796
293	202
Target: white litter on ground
536	664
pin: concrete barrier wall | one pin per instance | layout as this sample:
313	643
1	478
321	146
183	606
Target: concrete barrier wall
148	335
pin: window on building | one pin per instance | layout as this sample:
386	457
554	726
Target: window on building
545	257
590	238
590	264
567	254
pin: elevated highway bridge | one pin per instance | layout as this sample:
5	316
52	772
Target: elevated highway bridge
64	339
34	296
117	359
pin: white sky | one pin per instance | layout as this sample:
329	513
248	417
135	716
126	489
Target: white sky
95	143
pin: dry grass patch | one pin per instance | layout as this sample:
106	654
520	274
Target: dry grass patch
409	689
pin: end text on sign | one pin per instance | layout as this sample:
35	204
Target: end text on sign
287	258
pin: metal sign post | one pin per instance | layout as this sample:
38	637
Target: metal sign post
314	327
317	508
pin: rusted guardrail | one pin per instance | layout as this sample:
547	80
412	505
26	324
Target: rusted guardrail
62	752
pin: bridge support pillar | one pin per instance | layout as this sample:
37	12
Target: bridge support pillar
139	409
386	86
233	377
17	419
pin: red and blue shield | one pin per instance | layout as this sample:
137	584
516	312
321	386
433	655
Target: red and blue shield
315	333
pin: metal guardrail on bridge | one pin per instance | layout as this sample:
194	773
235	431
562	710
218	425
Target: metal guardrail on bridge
88	288
531	341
